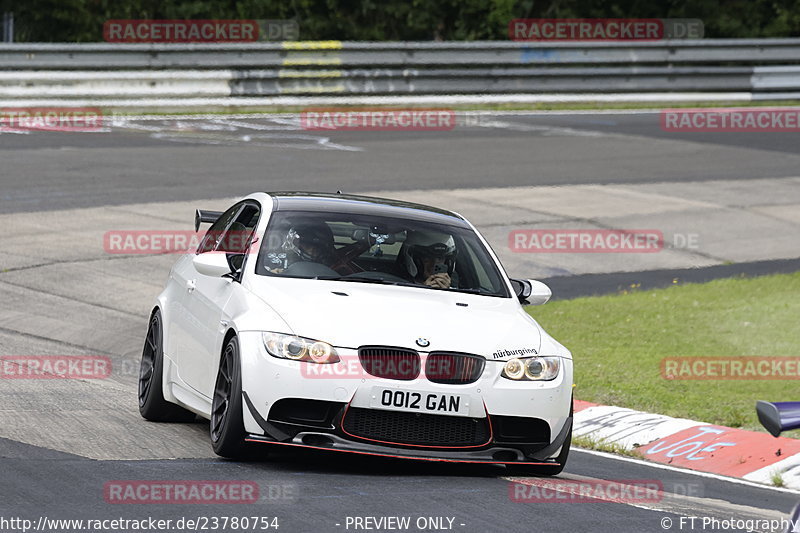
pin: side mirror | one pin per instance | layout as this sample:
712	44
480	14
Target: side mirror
212	264
531	292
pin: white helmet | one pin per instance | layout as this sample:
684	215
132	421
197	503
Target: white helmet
423	244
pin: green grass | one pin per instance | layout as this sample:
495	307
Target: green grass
777	479
618	341
602	445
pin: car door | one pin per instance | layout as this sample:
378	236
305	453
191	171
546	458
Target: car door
204	321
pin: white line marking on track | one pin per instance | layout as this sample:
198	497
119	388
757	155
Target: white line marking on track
661	466
583	487
222	130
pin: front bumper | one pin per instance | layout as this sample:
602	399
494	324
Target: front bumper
498	403
332	435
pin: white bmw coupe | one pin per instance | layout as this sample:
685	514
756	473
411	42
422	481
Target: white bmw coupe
360	325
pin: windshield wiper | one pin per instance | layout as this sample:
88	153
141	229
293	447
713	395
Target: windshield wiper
383	281
474	291
380	281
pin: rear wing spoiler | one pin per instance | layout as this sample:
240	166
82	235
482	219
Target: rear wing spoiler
202	216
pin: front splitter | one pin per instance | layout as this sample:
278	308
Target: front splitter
337	444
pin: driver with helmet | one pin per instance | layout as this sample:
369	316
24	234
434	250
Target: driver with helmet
310	241
429	258
305	240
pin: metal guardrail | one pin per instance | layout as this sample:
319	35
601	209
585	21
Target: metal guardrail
413	68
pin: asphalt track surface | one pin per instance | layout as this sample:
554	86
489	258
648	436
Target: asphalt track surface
173	160
146	161
318	492
568	287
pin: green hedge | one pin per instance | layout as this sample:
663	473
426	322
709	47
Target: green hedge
397	20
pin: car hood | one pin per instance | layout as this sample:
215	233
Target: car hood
349	315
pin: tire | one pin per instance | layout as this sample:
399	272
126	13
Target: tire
227	423
554	470
152	405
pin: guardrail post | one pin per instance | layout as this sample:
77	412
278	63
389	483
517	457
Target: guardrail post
8	27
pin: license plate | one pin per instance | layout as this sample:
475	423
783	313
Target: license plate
419	402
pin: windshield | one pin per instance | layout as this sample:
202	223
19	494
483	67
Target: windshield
377	249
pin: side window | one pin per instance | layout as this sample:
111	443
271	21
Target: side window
215	232
238	234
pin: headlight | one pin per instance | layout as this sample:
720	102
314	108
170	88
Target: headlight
514	369
532	368
299	348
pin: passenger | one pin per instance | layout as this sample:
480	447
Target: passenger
429	258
